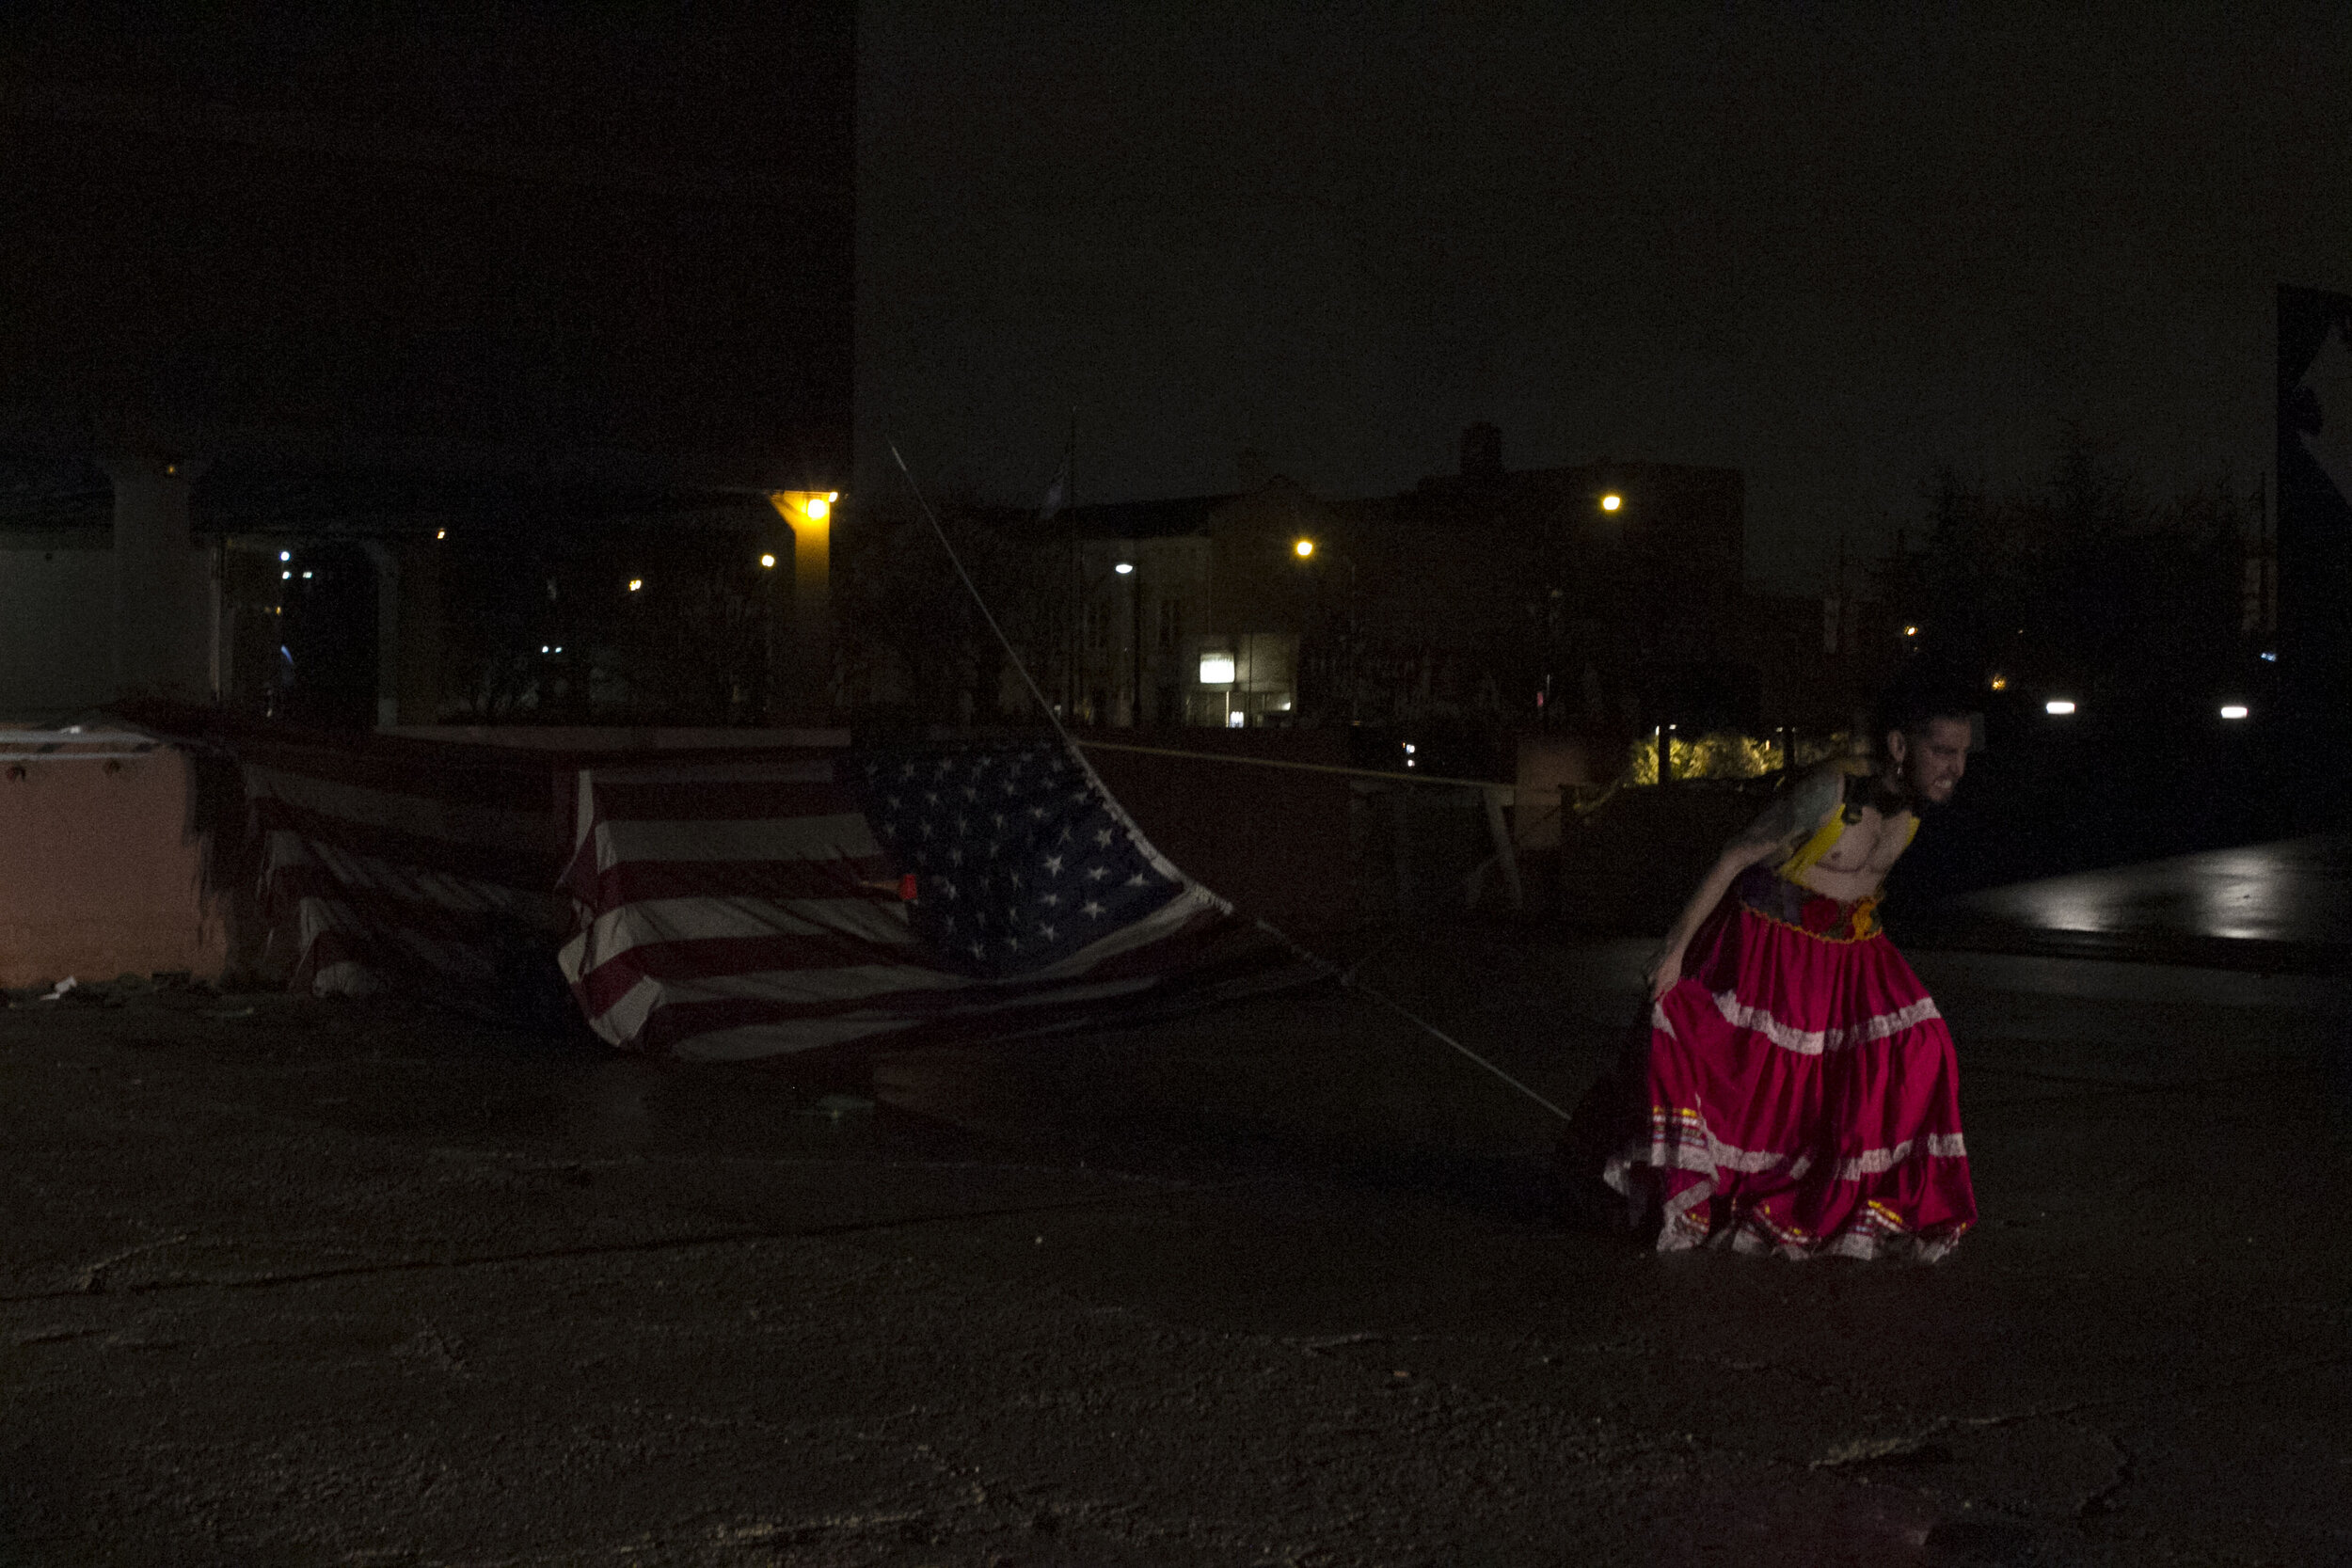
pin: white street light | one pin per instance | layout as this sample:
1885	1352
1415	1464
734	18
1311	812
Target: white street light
2234	710
1124	567
2057	706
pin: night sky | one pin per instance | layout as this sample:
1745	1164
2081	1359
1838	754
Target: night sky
1832	245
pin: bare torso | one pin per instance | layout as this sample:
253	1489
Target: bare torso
1857	863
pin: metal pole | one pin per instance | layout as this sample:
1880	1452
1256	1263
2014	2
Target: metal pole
1349	660
1073	651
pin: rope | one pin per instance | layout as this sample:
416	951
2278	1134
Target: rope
1441	1036
956	562
1346	978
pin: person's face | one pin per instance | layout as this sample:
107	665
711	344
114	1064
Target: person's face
1931	766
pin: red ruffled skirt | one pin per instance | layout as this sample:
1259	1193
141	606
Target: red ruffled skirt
1802	1095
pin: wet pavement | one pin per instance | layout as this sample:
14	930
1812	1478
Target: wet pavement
294	1282
2284	906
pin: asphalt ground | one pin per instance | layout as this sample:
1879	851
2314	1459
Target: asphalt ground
2280	907
288	1281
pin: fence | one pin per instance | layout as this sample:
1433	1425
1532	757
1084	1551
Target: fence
1319	847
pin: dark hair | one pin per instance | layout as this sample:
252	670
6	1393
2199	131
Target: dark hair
1917	699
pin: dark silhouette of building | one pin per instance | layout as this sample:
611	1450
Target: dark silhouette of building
285	275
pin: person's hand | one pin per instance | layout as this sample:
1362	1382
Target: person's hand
1664	970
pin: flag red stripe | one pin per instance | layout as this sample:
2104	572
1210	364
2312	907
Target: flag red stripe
636	881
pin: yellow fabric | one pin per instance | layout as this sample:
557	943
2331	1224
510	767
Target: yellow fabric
1825	838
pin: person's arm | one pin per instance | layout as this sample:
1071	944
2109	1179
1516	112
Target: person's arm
1795	815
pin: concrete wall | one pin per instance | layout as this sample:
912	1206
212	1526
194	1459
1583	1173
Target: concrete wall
99	873
56	624
1274	841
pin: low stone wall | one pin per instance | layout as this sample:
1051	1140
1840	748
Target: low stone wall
102	871
1273	840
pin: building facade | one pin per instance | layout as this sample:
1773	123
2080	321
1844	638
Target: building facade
374	281
1605	600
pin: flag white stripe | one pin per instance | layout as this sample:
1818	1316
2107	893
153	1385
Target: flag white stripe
700	919
848	982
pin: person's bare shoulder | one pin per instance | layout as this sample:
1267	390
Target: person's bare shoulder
1796	810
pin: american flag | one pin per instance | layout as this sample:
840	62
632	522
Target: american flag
394	865
1020	858
734	909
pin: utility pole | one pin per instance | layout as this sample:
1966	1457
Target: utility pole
1134	632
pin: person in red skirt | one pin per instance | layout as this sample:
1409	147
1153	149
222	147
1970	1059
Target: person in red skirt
1801	1091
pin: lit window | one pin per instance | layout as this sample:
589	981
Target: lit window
2057	706
1216	669
2234	710
635	584
1236	720
1124	567
2000	683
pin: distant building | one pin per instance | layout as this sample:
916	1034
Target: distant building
375	283
1603	600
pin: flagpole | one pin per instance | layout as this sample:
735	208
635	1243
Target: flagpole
1072	650
1347	979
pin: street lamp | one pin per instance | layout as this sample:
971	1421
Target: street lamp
1305	551
1612	501
1135	643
